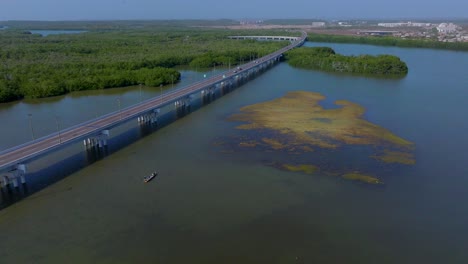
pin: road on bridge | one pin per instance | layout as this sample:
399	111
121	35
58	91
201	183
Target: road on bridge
31	149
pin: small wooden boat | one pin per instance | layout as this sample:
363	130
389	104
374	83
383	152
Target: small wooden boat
150	177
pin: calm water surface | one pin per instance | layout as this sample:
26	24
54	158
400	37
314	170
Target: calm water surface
209	206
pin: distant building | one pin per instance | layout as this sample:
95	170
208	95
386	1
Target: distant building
404	24
251	22
447	28
392	24
377	33
318	24
413	24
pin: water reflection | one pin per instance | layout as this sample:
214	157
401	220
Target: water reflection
11	194
213	206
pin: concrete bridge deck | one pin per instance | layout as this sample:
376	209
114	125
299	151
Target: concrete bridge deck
275	38
11	158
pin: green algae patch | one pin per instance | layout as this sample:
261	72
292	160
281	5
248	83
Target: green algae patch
299	116
305	168
296	131
396	157
275	144
305	148
311	169
361	177
248	144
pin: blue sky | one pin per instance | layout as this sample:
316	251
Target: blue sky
234	9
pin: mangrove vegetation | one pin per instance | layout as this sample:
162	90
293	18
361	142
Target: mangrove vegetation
389	41
33	66
324	58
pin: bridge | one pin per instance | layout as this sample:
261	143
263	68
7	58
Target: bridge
95	132
274	38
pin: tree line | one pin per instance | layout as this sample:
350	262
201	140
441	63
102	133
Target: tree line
32	66
389	41
325	58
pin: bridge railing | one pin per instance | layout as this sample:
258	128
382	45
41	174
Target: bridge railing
209	81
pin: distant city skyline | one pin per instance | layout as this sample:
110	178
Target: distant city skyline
230	9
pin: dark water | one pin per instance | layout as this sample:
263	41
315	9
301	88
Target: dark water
75	108
212	206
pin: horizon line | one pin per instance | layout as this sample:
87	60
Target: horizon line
233	19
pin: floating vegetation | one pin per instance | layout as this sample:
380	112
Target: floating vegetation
396	157
312	169
299	115
275	144
361	177
249	144
305	168
298	124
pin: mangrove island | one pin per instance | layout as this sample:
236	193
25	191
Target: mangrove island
325	59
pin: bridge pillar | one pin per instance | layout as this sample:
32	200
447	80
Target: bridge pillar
4	181
155	115
15	182
189	99
21	172
23	179
182	106
228	86
145	118
99	140
203	95
208	94
18	172
102	138
151	117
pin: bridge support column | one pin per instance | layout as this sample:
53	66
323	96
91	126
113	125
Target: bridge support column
23	179
21	172
96	146
179	108
18	172
182	106
4	181
207	94
154	116
15	182
188	101
99	140
151	117
103	136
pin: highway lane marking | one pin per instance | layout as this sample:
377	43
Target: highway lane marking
51	140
